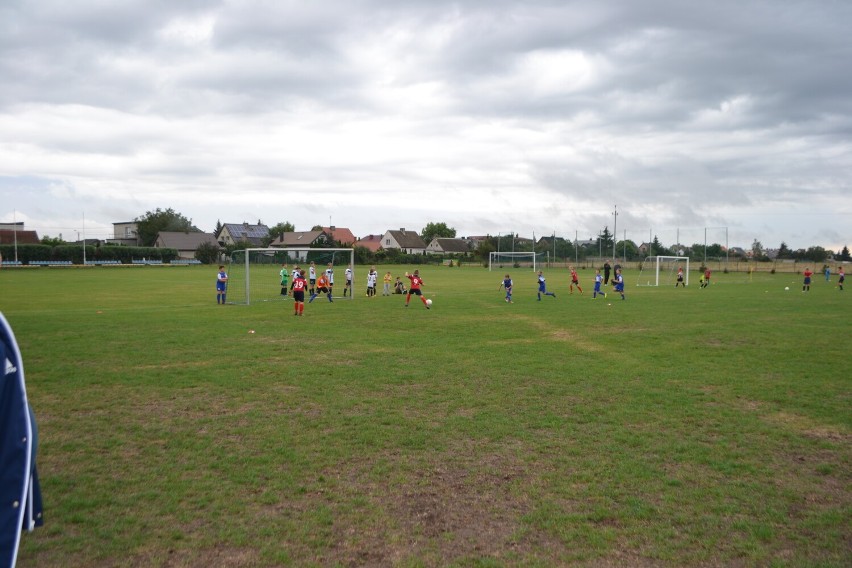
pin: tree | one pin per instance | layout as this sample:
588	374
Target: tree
439	230
605	241
656	247
784	251
153	222
52	241
208	253
757	251
278	230
844	254
218	229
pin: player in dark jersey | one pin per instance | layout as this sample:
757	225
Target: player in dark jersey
416	283
299	285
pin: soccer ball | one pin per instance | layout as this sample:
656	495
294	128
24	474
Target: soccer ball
429	303
786	287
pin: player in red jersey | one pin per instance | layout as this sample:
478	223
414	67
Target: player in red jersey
416	283
806	285
575	280
299	285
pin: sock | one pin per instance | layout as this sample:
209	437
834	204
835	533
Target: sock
223	298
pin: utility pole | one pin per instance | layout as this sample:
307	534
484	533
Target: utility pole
614	228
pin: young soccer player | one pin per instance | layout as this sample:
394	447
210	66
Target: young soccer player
416	283
706	281
841	277
619	283
221	285
299	285
285	279
806	284
386	291
542	287
598	282
372	279
348	277
329	276
322	288
680	277
312	277
507	285
575	280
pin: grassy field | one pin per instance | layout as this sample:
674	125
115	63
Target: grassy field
676	428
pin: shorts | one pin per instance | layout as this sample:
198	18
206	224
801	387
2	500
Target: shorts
415	291
299	296
221	286
324	290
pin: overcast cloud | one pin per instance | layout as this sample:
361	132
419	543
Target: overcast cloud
491	116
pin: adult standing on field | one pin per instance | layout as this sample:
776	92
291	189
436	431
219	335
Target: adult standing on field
221	285
607	268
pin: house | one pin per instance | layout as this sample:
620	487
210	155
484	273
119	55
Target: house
440	245
371	242
302	239
185	243
125	233
407	241
341	235
21	237
233	233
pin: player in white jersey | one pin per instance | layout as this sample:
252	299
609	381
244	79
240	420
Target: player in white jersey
312	276
348	284
329	275
372	278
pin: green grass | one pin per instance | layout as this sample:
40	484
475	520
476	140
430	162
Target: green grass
678	427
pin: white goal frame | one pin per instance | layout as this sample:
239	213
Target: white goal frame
511	255
658	260
297	255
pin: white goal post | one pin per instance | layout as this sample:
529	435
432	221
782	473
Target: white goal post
498	259
254	274
664	270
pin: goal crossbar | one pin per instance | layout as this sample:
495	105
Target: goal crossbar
510	257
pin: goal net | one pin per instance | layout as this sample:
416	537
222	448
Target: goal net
500	260
662	270
254	275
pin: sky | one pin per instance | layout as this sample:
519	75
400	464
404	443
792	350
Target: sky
719	122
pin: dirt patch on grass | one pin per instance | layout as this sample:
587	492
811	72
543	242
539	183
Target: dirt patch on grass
441	508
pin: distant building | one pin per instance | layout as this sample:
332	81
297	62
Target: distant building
407	241
440	245
371	242
125	233
233	233
341	235
302	239
18	236
185	243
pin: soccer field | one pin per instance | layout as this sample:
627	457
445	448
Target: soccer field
679	427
